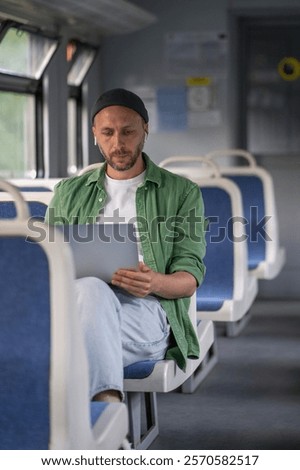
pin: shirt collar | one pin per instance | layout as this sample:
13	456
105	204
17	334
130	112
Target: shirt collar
97	175
153	172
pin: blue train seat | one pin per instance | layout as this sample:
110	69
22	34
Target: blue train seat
229	289
37	200
44	400
265	256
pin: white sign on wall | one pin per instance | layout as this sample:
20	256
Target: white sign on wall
195	53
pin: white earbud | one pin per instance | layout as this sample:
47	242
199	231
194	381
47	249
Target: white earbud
95	140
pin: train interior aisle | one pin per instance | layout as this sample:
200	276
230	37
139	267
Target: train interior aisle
251	398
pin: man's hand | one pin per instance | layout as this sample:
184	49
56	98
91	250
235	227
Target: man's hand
143	281
139	282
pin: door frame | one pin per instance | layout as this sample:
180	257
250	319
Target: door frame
239	21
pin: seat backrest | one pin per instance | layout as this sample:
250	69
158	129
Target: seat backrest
36	184
185	165
37	201
226	259
256	186
24	345
226	251
44	396
260	212
254	211
229	155
34	354
219	259
92	166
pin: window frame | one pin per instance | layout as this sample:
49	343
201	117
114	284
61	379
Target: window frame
15	83
77	93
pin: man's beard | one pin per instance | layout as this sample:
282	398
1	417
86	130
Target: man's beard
123	160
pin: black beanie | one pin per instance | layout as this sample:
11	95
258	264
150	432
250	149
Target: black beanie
120	97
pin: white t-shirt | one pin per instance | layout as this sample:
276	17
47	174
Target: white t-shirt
120	203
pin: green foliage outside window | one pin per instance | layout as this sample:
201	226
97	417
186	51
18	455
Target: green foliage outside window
16	109
16	134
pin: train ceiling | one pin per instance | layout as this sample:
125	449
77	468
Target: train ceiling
91	19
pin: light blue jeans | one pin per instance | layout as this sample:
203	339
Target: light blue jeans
119	329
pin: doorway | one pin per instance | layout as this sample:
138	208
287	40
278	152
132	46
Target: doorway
265	117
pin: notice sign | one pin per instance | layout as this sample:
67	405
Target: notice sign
192	53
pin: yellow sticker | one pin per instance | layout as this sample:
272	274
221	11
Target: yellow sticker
198	81
289	68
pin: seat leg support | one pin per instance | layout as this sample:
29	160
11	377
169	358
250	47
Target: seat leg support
139	438
234	328
208	363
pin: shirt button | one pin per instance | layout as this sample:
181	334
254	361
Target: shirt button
100	199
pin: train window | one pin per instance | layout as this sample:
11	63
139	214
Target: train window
80	58
25	53
17	135
74	144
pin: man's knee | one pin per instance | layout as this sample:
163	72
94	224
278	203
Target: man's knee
94	297
87	286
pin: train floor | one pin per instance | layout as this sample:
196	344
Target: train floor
251	399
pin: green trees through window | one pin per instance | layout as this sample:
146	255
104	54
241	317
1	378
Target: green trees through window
17	135
23	58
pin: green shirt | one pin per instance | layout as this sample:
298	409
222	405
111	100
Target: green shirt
170	217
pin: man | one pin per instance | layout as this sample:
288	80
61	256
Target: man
141	314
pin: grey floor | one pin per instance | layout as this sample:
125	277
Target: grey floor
251	400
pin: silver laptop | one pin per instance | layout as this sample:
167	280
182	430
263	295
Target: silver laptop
100	249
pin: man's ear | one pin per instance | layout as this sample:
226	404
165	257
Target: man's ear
94	133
